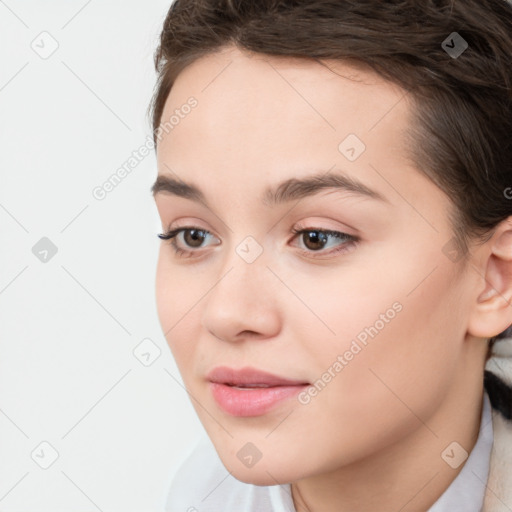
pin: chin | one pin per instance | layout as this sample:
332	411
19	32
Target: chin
277	461
262	475
273	470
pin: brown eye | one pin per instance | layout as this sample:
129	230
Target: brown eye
194	237
185	241
314	240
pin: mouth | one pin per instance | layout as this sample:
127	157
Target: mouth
248	386
251	392
252	401
249	377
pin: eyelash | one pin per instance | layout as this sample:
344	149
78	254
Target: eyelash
170	236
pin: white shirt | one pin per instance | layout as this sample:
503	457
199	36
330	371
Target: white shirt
202	483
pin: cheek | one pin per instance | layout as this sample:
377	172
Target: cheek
174	301
406	301
399	349
163	291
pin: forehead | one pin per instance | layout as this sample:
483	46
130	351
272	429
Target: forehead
234	82
260	117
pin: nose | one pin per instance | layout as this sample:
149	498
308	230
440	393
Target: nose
243	303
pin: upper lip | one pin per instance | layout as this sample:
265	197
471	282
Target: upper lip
249	376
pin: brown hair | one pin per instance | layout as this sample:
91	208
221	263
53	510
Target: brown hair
461	135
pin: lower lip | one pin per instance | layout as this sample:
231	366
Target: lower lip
251	401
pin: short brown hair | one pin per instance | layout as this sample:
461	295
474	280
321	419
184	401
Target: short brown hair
461	137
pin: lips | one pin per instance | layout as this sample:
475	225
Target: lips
250	392
249	378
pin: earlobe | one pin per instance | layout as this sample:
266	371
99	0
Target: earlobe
492	312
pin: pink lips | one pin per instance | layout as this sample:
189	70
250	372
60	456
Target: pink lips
250	392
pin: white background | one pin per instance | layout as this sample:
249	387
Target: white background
68	326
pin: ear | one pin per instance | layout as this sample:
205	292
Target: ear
492	311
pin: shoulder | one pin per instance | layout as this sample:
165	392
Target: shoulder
498	377
203	484
498	383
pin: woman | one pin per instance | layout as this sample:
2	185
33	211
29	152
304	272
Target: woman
334	184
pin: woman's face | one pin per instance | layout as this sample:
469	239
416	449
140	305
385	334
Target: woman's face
374	320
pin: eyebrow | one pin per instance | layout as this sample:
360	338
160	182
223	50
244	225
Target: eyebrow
288	190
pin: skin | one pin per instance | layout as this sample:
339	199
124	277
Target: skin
372	438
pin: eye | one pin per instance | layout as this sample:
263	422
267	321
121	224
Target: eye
316	240
192	237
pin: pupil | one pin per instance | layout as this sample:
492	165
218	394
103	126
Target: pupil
194	237
317	238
